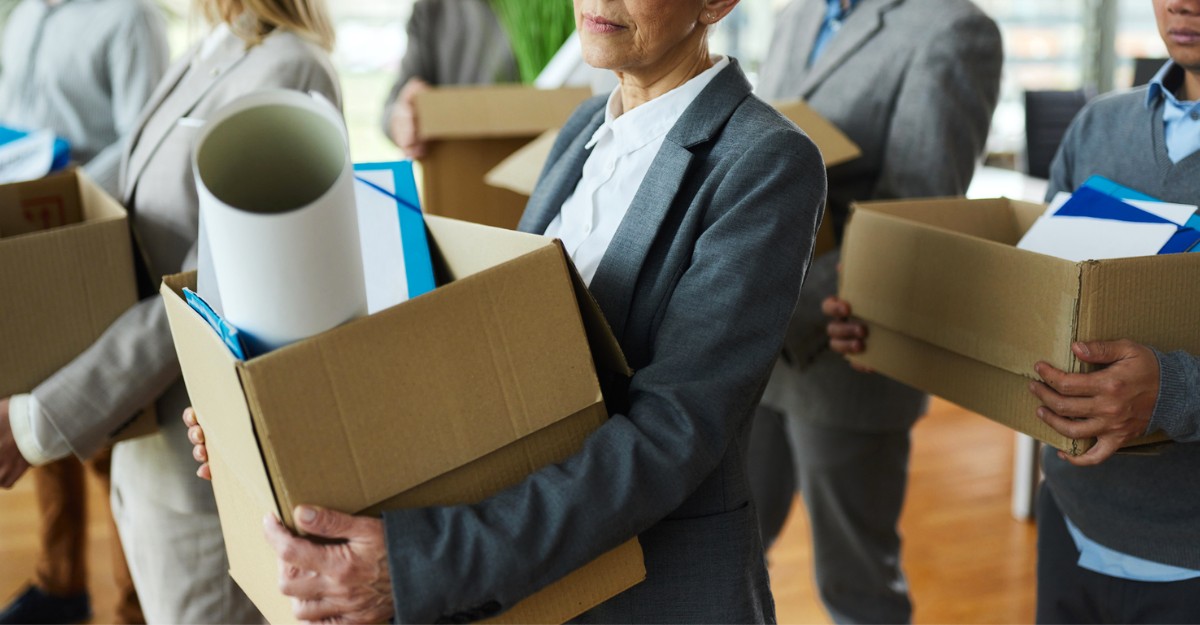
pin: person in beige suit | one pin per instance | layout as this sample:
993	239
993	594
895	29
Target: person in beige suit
167	518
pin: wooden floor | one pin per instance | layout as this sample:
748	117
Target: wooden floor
967	560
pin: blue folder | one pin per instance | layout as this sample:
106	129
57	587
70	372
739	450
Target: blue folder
62	149
1117	190
1102	198
418	264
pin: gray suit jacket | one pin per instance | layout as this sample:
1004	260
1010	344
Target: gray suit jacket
453	42
914	84
698	285
133	363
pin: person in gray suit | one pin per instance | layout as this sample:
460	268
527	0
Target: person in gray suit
450	42
167	519
690	208
914	84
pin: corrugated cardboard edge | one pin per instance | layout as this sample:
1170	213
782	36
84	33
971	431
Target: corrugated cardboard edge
576	586
475	112
519	172
207	363
901	266
997	394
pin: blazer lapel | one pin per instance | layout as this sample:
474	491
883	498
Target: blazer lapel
560	181
862	24
197	83
617	275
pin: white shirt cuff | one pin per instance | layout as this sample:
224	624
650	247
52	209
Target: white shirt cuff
36	439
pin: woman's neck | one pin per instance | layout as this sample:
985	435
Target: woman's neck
641	86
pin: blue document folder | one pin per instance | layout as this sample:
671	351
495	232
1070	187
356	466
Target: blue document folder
395	247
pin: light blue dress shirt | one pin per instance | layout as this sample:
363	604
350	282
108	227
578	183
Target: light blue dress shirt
1096	557
835	14
1181	119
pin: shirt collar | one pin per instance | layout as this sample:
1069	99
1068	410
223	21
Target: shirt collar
643	125
835	11
1159	88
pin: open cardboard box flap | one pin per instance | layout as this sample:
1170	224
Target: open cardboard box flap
836	148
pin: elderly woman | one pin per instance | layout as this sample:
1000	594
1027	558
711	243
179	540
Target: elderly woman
690	207
167	519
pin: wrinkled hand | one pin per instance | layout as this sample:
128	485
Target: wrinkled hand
342	580
1112	405
846	336
196	436
12	464
402	125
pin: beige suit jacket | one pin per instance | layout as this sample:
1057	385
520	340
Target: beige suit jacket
133	363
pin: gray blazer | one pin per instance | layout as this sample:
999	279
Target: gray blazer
133	363
698	285
453	42
914	84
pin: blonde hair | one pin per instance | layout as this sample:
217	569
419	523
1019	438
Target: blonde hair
253	20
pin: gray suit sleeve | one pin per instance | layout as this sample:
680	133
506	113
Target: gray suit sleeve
419	57
136	62
1177	411
943	112
686	405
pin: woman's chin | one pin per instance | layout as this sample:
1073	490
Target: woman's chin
601	59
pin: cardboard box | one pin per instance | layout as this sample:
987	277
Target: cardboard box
956	310
836	148
519	172
470	130
446	398
66	273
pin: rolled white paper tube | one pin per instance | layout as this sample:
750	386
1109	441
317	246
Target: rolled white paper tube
276	191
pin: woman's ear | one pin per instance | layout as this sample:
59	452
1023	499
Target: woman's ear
716	10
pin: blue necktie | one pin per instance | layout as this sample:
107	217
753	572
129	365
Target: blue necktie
834	15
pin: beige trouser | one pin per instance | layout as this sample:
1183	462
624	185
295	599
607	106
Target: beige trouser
171	533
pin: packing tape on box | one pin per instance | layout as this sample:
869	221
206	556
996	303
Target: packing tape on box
277	210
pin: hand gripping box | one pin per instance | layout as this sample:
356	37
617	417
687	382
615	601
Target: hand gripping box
955	309
470	130
446	398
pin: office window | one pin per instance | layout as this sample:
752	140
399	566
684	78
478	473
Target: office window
371	41
1136	38
1043	50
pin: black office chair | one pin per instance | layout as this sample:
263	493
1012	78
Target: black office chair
1047	116
1144	69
